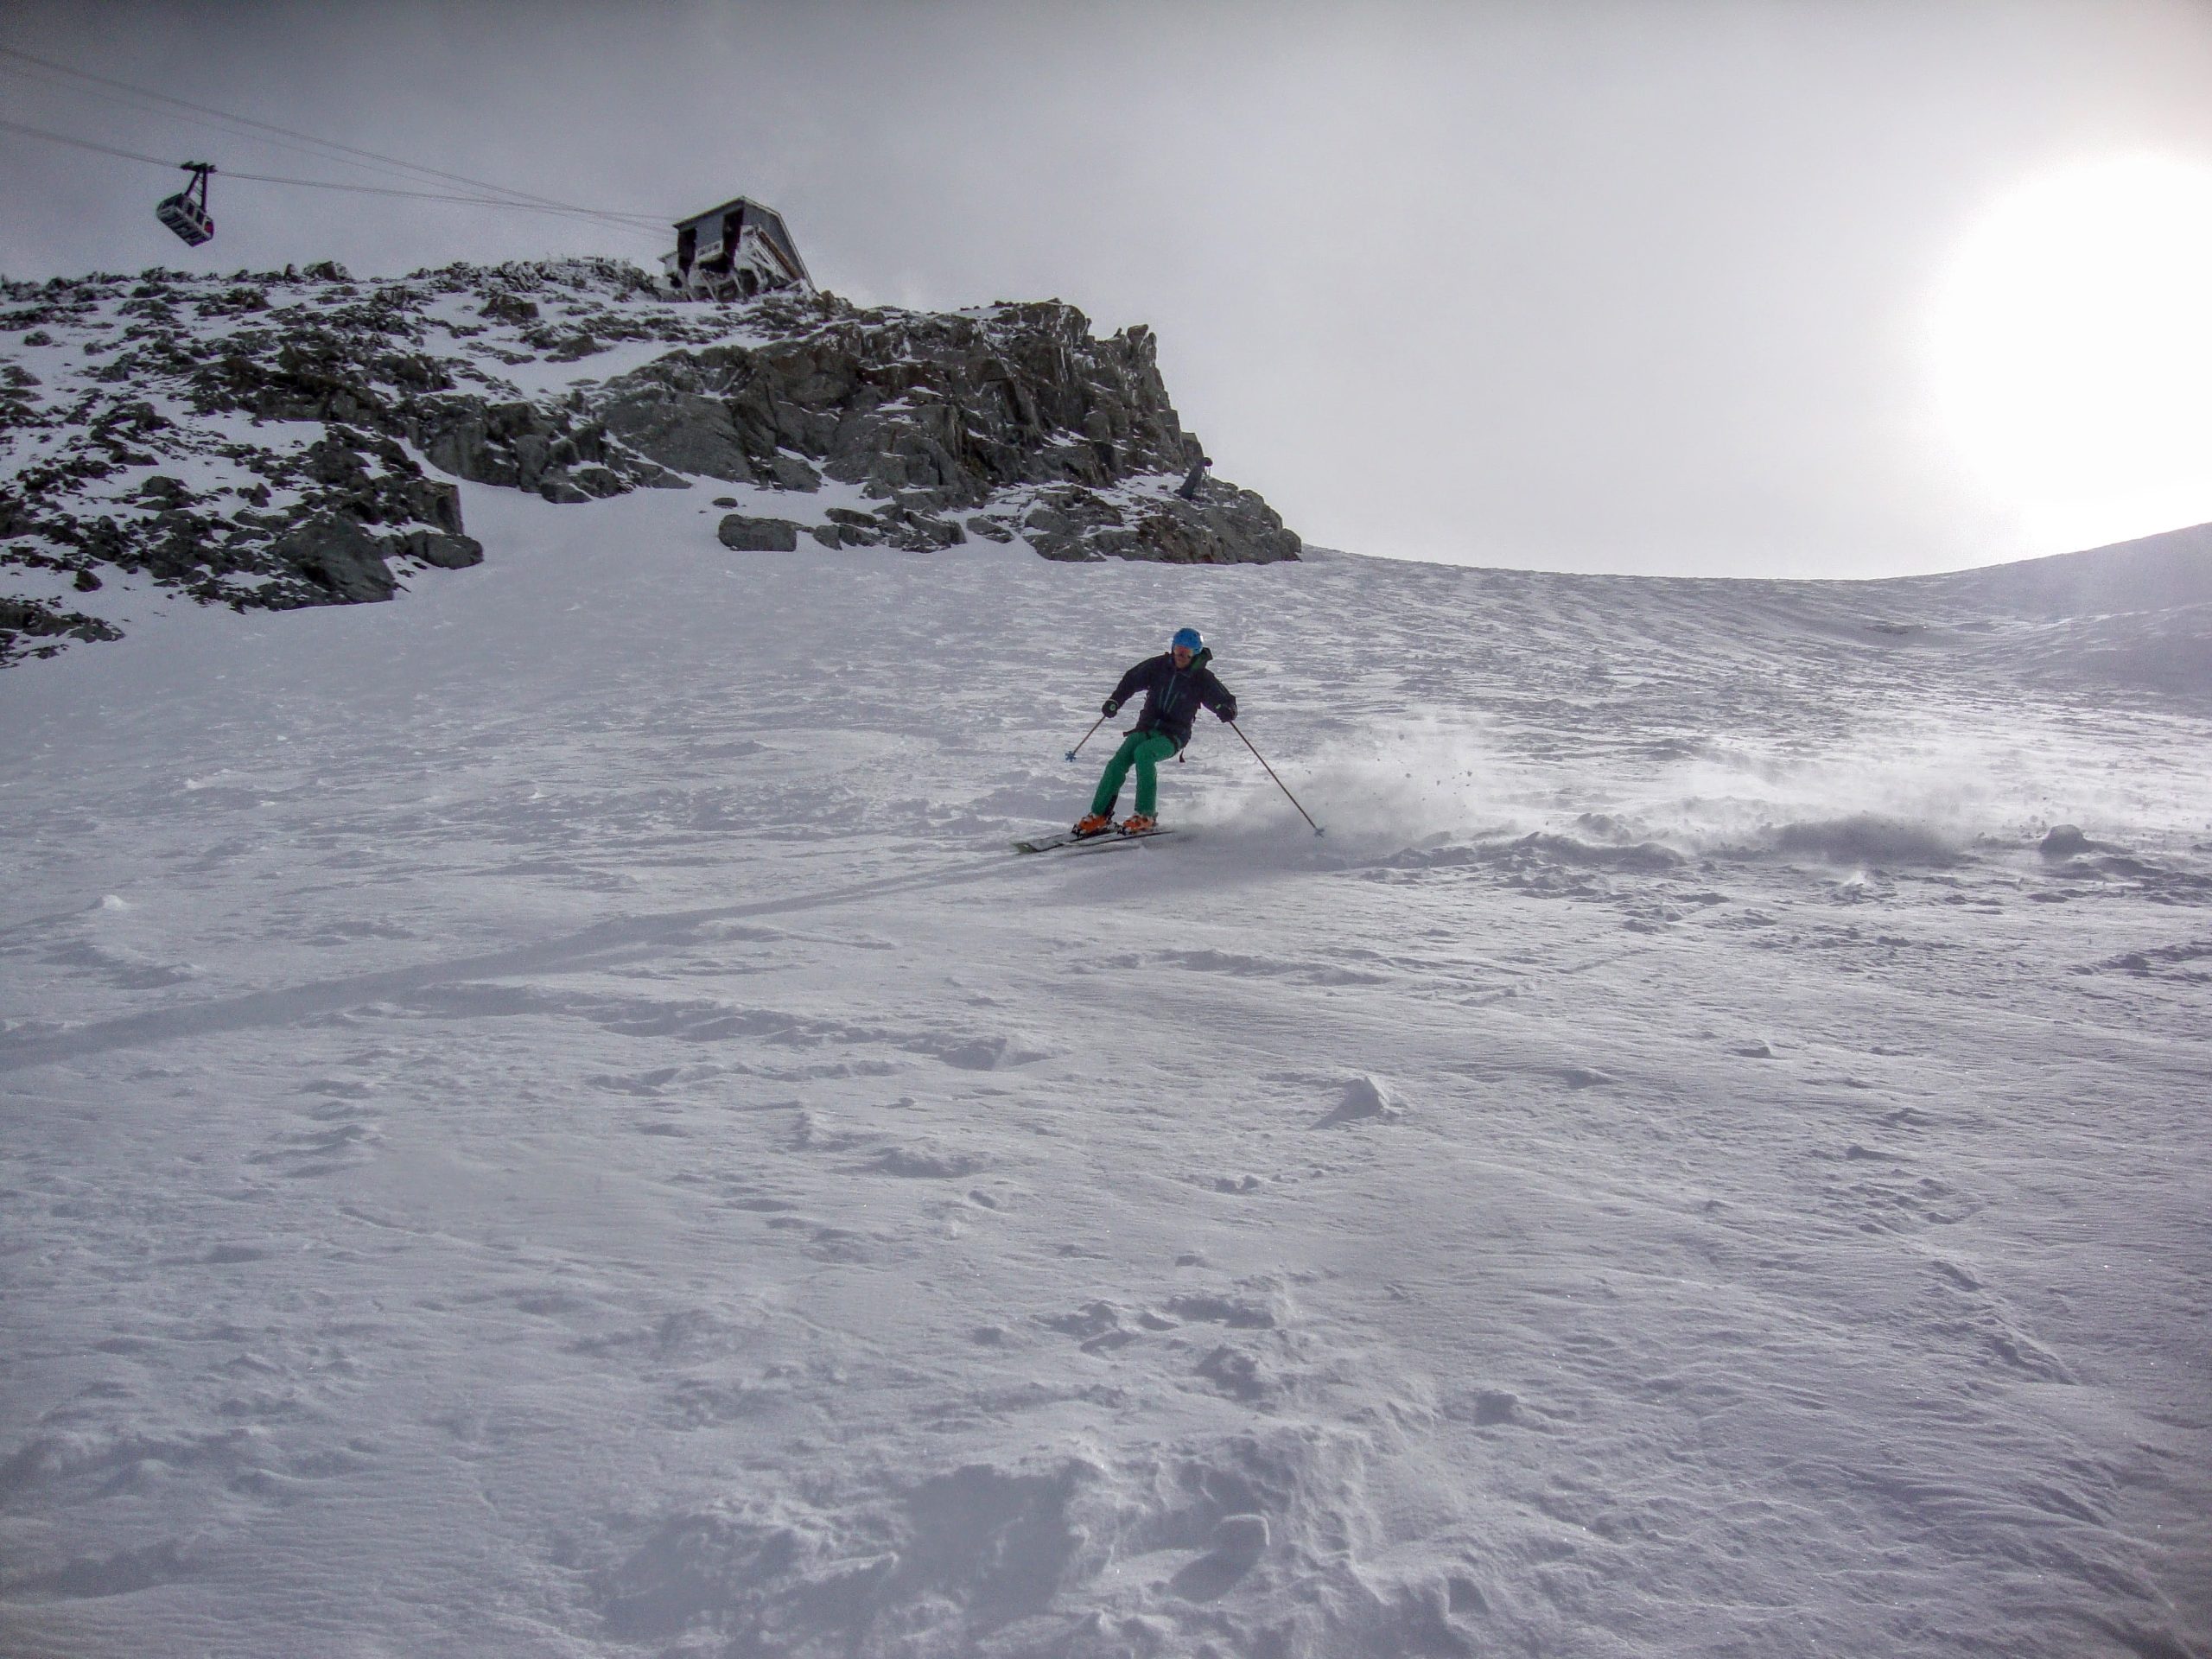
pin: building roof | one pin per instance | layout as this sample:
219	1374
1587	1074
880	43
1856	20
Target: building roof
755	216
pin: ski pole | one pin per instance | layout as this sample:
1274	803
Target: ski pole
1086	737
1279	785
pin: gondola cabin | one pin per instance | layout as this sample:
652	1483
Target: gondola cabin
735	252
186	213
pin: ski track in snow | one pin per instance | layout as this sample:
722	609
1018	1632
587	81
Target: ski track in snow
542	1119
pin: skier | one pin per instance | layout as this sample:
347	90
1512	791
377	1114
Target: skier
1175	684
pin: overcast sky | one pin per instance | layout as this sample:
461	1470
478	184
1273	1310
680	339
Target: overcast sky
1641	287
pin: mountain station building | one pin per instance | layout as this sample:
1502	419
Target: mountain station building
734	251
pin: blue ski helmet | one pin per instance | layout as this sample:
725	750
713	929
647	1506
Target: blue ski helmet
1190	638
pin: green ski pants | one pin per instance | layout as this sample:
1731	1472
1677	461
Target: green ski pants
1145	751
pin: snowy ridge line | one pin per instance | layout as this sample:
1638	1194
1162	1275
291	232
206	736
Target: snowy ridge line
281	440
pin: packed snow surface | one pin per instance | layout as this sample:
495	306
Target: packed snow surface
544	1119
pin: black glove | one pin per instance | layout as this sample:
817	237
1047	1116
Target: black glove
1112	706
1228	710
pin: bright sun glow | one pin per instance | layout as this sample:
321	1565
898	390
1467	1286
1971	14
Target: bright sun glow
2073	351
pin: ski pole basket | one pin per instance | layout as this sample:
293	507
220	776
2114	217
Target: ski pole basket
186	213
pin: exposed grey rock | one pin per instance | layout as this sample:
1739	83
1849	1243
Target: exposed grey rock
758	535
1230	526
945	414
447	552
1008	422
682	429
30	628
340	556
503	307
790	472
558	487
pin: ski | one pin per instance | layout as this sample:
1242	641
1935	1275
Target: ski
1068	838
1120	839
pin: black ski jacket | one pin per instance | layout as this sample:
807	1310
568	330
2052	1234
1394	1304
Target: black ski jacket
1171	695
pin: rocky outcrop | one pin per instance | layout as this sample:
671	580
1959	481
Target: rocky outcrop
30	628
1015	412
758	535
1227	525
287	439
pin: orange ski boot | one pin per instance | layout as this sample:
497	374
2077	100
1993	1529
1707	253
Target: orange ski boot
1096	823
1138	823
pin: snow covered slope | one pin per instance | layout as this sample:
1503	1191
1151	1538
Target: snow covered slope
536	1126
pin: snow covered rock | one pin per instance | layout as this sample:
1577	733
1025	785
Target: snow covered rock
2066	841
288	438
1369	1099
1241	1538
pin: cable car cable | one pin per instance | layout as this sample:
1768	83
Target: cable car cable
326	184
72	89
82	143
340	151
622	221
146	108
